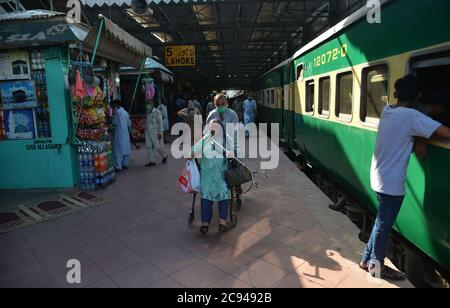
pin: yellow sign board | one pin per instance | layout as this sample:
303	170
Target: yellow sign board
180	56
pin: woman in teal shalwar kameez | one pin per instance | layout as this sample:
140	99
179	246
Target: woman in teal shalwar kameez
214	187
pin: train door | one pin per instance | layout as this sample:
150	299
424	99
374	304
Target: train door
288	112
297	79
433	69
281	113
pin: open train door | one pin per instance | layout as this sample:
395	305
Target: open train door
433	69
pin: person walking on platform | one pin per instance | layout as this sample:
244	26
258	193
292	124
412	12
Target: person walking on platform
238	107
188	115
225	115
210	106
399	126
214	187
154	134
250	112
165	119
222	112
197	104
121	141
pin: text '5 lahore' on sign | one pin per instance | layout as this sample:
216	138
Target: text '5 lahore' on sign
180	56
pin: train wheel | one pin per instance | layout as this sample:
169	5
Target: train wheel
422	274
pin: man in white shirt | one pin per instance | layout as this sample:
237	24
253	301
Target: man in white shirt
399	126
154	134
121	146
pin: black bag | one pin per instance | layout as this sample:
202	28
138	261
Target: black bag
237	174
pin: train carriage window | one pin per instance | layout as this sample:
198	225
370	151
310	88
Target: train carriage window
324	96
375	92
299	73
310	92
433	70
344	95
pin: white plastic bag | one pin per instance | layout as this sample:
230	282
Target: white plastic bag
189	180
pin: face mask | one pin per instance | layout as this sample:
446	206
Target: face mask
221	109
150	107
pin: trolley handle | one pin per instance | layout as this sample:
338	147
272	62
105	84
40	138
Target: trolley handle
262	172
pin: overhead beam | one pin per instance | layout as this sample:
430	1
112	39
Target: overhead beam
212	27
217	42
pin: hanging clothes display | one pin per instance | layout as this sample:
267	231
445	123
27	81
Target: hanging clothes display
91	106
149	87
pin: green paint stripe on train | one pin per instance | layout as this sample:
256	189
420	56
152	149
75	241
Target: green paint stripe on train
364	42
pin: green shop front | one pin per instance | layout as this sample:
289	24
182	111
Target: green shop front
38	126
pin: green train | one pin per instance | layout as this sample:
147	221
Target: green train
328	99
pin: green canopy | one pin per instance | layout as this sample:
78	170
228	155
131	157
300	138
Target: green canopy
38	31
43	28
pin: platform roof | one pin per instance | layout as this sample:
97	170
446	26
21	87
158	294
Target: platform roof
236	40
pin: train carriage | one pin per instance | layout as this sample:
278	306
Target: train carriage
329	97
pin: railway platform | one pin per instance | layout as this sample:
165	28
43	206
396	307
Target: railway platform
286	237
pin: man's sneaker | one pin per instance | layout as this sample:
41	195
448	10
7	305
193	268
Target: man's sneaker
388	273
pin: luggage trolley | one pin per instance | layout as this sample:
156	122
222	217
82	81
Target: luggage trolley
236	193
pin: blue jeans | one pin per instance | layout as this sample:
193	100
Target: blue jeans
207	210
389	207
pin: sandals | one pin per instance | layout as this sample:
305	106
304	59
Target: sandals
204	230
223	228
364	267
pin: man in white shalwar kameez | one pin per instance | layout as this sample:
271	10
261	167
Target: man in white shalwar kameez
121	142
154	131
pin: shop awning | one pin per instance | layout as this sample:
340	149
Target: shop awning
116	44
151	65
43	28
38	28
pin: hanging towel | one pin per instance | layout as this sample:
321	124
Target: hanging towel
78	87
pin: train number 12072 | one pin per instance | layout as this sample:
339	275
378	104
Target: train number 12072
331	56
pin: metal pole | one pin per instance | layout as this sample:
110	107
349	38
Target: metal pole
137	84
102	21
